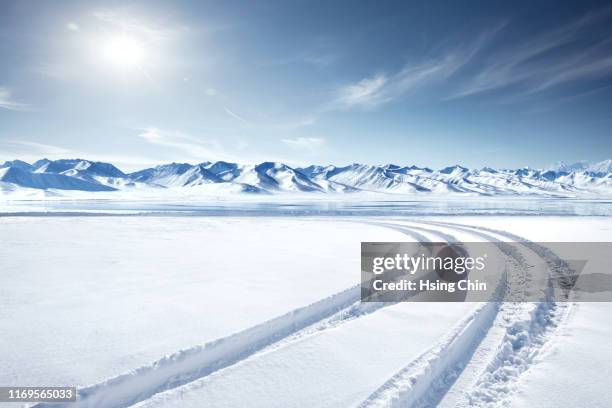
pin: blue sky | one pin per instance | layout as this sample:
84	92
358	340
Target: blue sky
429	83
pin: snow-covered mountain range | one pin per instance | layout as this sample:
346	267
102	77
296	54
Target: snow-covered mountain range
564	180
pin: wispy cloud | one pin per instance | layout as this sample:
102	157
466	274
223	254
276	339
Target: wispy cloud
235	115
7	102
195	149
367	92
37	150
189	146
274	123
121	20
382	88
578	68
305	143
297	123
569	53
534	66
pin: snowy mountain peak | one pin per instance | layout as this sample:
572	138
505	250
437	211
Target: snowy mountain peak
456	169
24	178
273	177
223	170
17	164
569	167
160	172
601	167
80	167
604	166
40	163
279	176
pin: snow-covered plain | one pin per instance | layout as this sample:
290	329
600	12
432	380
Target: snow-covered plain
92	298
264	311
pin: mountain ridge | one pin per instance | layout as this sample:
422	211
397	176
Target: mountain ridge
564	180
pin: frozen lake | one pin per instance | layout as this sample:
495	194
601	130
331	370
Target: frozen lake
344	206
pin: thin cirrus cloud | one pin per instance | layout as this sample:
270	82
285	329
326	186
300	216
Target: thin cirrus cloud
34	150
380	89
305	143
7	102
584	65
296	123
187	145
287	124
235	115
549	59
370	93
535	65
196	150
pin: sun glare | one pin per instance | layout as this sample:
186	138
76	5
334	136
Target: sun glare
124	52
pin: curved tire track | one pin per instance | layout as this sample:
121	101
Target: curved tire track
422	382
529	327
428	377
425	381
197	362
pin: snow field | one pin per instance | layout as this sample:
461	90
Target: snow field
92	298
328	350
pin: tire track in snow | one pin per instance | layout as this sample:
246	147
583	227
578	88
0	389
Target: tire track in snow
529	326
526	327
360	309
519	274
356	311
197	362
430	375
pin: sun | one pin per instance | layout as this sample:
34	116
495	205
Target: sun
124	52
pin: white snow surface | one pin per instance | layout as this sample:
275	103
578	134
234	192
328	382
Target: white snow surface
573	368
264	312
93	298
330	368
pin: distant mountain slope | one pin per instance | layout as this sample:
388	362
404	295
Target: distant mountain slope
28	179
560	180
274	176
17	164
77	167
583	166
